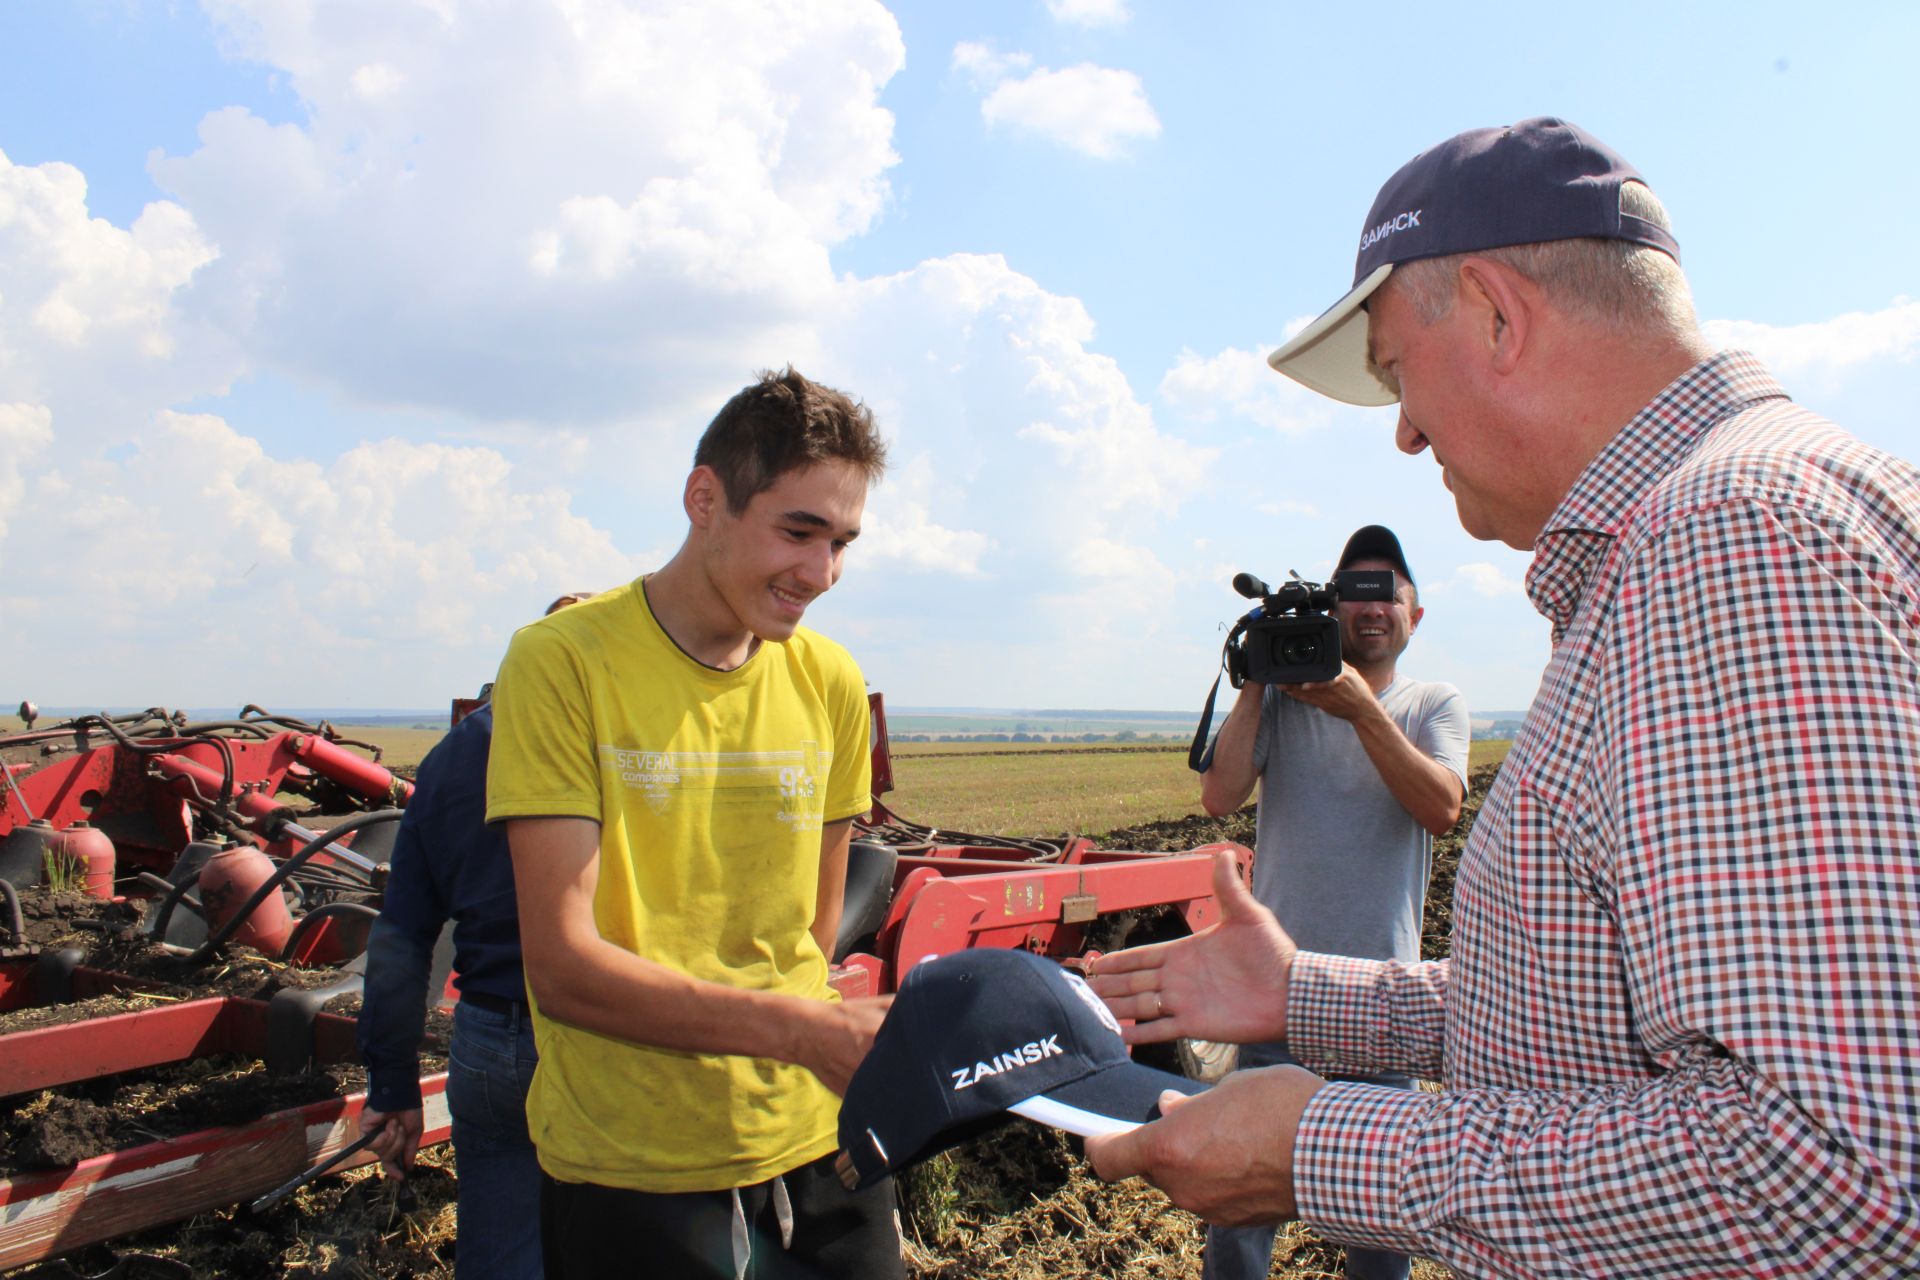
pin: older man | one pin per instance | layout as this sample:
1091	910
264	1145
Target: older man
1677	1029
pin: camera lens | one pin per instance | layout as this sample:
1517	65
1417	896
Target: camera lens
1298	651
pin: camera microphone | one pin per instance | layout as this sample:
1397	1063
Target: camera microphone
1251	587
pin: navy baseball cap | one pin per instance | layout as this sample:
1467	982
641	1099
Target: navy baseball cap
1538	180
1375	542
976	1034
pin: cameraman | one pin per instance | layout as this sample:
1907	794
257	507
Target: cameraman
1357	774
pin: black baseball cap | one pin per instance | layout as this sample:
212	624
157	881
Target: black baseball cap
1538	180
1374	542
976	1034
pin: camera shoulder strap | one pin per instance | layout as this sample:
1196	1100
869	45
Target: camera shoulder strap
1200	754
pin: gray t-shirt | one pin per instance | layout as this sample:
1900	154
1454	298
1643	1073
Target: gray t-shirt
1338	859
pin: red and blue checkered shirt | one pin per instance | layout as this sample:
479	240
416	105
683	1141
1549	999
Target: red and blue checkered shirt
1680	1028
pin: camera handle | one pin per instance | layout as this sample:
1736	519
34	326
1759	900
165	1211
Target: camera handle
1200	754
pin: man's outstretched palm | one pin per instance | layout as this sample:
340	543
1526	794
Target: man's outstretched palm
1227	982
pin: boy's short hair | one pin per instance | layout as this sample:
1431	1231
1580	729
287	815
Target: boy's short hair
782	423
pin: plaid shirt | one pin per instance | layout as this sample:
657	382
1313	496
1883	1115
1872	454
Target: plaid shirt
1680	1031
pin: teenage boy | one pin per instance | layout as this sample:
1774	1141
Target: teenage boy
678	763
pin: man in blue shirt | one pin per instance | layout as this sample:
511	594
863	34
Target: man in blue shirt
449	865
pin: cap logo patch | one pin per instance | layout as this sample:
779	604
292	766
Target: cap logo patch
1092	1001
1399	222
1031	1052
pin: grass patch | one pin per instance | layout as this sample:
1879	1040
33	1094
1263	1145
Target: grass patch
400	747
1021	790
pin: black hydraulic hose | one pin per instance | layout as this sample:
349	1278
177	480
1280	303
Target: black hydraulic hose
80	724
902	831
15	921
255	714
175	740
138	717
308	922
176	894
218	937
251	728
327	881
331	734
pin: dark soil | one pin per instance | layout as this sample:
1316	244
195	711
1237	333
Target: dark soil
1017	1204
346	1225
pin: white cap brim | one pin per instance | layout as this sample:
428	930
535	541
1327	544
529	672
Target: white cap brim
1330	355
1071	1119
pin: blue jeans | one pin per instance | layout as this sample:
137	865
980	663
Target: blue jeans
1246	1253
489	1068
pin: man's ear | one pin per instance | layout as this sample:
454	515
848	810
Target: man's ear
1503	305
704	496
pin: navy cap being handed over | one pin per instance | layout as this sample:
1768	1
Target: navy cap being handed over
1527	183
979	1033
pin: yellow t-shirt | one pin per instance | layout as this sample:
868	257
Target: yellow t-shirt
710	788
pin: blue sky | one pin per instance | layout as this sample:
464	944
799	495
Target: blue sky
337	337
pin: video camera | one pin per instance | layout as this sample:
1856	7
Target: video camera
1291	636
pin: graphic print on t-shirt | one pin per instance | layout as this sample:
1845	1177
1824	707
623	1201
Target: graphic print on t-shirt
788	783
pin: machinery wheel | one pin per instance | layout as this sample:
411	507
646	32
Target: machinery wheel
1208	1061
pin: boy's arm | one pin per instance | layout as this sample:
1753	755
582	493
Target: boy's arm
836	838
579	978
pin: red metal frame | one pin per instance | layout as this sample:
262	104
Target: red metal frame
882	750
42	1214
945	898
960	896
144	802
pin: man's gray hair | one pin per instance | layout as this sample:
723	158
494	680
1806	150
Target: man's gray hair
1627	287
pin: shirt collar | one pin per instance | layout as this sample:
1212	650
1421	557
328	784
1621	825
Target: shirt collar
1652	444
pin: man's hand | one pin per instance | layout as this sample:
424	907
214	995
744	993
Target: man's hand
1227	982
399	1138
835	1043
1226	1154
1347	695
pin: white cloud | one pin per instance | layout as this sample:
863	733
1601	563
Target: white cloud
1827	347
985	65
1005	394
1483	579
900	527
206	562
1127	599
1089	13
1095	110
82	296
566	263
1097	556
25	430
1240	384
377	80
1289	508
536	212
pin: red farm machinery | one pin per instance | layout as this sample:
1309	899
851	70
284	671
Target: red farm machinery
273	833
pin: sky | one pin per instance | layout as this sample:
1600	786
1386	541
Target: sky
339	336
